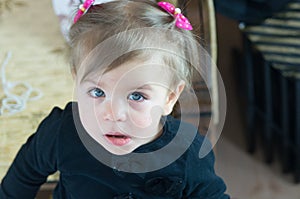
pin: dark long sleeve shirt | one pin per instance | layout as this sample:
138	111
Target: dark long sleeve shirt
57	146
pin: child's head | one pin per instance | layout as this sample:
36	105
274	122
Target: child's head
149	31
131	63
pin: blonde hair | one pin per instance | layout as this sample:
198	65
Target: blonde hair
139	25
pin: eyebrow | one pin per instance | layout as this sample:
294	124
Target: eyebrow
93	82
144	87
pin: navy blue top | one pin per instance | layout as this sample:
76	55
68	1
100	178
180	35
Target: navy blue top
56	146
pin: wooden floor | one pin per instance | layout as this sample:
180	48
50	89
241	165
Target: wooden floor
38	58
46	191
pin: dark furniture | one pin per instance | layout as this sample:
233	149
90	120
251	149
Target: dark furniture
272	71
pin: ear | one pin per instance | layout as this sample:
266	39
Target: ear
173	97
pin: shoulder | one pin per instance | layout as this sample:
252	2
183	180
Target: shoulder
178	126
60	113
186	131
51	125
57	114
197	147
197	162
199	150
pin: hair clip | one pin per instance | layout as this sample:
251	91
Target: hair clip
83	8
181	20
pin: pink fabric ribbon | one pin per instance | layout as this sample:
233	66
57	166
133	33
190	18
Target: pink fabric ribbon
83	8
181	20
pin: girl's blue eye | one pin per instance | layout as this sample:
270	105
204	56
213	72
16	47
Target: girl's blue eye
136	97
96	92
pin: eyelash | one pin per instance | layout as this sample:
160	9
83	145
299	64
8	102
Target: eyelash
90	92
140	95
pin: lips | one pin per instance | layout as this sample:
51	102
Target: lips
117	139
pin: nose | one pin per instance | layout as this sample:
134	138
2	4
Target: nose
114	110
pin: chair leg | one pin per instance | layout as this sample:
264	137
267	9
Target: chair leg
297	130
268	120
285	127
250	112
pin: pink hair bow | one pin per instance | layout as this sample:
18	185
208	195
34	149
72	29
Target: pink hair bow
181	20
83	8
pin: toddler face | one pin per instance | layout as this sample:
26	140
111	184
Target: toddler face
122	108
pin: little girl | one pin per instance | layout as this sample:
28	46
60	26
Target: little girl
131	60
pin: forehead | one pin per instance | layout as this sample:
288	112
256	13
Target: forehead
134	73
102	60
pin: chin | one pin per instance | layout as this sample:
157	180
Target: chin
118	151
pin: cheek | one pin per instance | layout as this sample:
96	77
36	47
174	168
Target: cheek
87	115
143	121
148	118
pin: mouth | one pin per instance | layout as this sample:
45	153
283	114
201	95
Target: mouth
118	139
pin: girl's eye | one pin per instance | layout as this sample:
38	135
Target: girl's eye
96	92
136	97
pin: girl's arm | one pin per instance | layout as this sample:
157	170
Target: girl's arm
202	179
36	159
